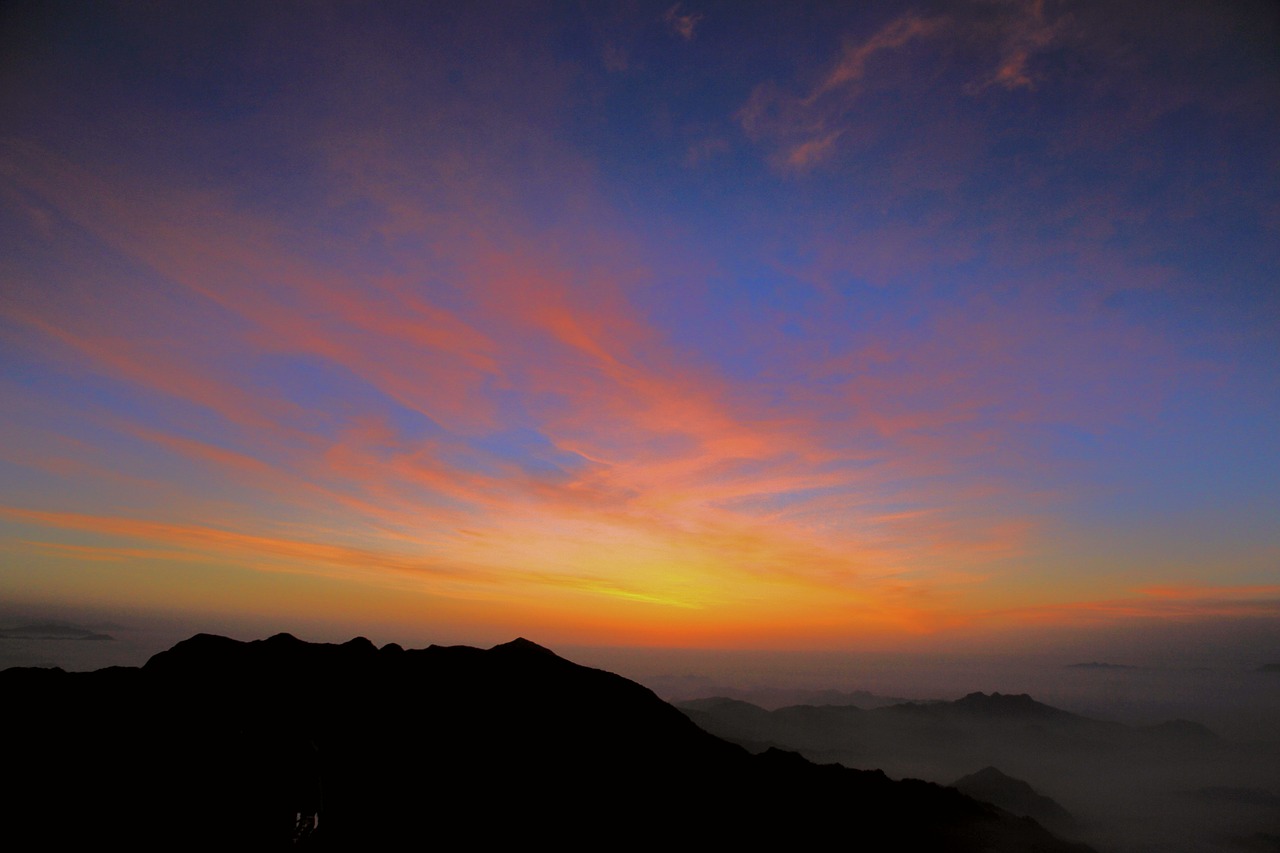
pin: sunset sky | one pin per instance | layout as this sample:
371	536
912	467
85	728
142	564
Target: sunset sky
740	325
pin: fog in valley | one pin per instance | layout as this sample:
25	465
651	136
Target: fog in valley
1168	743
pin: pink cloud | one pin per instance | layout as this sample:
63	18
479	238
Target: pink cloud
808	126
812	151
1024	32
684	488
681	23
852	66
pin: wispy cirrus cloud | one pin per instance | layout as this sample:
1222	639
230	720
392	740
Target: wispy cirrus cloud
851	68
495	336
636	448
807	126
1160	604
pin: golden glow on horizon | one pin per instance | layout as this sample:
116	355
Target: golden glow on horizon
559	591
494	345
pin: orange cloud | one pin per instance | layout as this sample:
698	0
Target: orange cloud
676	489
664	486
1161	604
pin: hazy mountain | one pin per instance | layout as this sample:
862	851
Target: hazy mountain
51	631
1246	796
217	744
1126	785
937	734
1016	797
687	688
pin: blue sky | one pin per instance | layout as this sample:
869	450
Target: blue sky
635	323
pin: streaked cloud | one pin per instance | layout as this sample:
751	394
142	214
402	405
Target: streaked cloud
1160	605
852	65
806	127
529	341
809	125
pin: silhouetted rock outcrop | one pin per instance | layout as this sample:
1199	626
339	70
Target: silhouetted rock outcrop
217	744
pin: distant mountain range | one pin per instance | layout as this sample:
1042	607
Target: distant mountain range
937	739
222	745
684	688
1125	786
51	631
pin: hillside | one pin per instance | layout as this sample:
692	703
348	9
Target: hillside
223	744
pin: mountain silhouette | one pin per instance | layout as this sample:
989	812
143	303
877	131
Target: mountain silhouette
1018	705
947	737
1016	797
282	744
1111	777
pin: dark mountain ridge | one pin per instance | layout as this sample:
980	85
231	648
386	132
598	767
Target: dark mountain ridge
219	744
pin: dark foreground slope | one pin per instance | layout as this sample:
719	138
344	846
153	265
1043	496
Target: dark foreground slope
217	744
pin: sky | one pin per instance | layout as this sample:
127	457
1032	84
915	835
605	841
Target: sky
709	325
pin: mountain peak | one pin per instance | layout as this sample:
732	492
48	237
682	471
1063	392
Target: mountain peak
263	733
1014	795
1017	704
989	775
522	646
360	644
